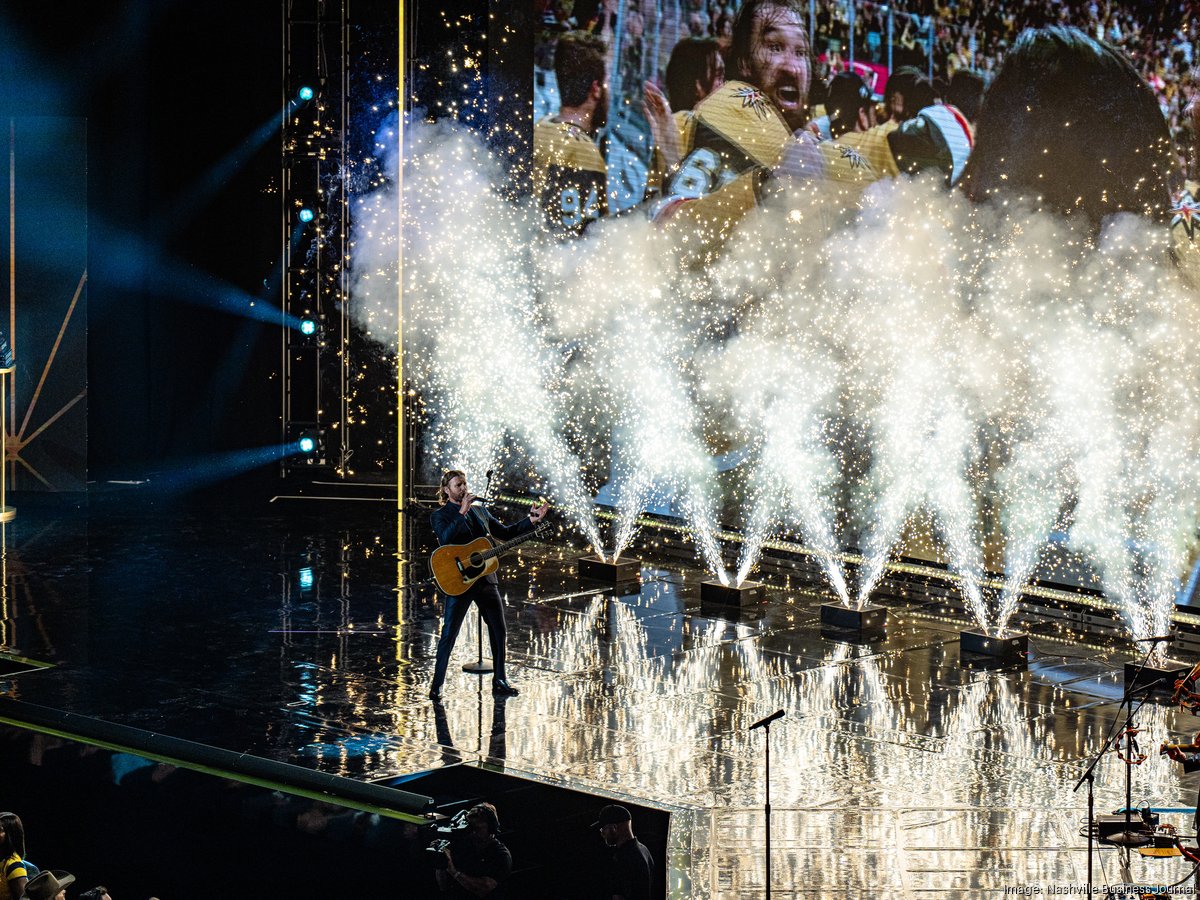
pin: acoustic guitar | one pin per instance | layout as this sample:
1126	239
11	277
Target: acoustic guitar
455	567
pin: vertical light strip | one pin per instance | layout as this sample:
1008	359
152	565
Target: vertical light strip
344	452
12	261
400	423
4	480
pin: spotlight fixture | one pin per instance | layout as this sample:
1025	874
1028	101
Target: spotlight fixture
305	445
306	215
305	94
306	579
308	327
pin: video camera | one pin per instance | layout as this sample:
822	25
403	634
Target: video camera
447	836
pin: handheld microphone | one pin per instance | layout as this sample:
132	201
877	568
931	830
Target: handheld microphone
762	723
1158	639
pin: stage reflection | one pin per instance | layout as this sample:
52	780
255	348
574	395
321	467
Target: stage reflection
895	768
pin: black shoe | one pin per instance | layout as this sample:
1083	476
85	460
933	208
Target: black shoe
435	694
504	689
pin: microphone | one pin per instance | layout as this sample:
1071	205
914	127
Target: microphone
763	723
487	490
1158	639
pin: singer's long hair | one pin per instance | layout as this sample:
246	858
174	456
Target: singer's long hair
448	476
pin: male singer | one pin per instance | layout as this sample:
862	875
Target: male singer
456	521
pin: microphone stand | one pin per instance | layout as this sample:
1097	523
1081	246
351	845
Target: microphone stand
479	665
1128	838
767	805
765	725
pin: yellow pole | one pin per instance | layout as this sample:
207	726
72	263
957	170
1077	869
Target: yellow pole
401	492
7	513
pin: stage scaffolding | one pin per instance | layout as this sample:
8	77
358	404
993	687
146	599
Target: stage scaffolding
314	272
337	381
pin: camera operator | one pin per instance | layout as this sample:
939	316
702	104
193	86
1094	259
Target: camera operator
476	862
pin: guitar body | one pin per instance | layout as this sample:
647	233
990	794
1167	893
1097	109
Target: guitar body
456	567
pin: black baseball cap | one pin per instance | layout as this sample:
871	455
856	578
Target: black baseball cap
612	815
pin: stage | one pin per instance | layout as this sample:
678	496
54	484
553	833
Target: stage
276	629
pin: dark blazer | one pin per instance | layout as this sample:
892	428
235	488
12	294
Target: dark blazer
452	527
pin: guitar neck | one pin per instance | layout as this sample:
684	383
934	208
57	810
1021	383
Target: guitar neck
508	545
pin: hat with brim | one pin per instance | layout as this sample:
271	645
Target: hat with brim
612	815
47	885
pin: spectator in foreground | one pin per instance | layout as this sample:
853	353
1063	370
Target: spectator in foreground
12	852
49	886
631	868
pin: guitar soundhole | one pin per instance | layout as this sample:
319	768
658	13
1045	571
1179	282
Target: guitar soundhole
476	559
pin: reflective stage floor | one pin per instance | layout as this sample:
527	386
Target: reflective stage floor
277	630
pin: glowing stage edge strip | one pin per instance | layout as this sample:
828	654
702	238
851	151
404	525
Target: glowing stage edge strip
242	767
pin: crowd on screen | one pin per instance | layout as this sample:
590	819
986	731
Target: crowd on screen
1162	40
1159	38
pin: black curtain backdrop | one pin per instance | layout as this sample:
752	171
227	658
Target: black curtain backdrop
168	91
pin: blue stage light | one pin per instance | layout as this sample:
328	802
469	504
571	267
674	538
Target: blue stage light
307	444
305	93
308	326
306	215
306	579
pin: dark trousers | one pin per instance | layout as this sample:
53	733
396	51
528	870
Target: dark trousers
491	609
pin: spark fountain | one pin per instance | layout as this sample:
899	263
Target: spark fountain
454	220
657	452
786	401
918	358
